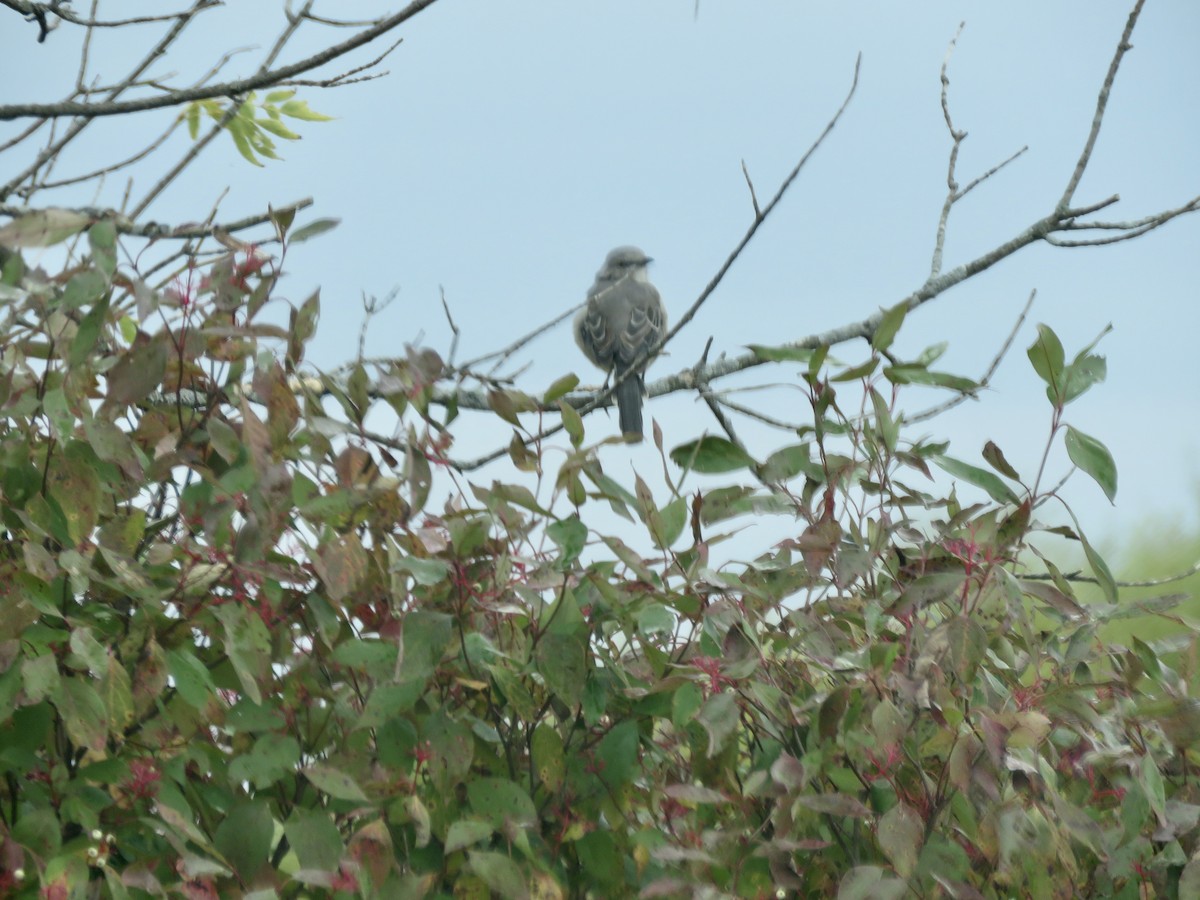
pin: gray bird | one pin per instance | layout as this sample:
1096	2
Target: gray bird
624	319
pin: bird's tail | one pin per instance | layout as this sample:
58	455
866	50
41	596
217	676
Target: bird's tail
629	407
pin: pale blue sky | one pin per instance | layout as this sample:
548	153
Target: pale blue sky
514	143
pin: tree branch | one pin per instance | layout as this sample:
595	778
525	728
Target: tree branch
206	92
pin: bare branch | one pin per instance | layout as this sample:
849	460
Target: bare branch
1131	229
12	142
115	167
956	137
346	78
157	231
63	12
1101	104
989	173
224	89
762	216
52	149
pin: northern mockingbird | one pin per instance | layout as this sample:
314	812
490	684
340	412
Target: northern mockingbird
623	319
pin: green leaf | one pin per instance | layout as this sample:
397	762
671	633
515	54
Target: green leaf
83	714
499	873
334	782
116	690
856	373
426	634
618	754
75	485
966	642
782	354
465	833
248	646
390	700
572	422
711	455
1099	567
452	747
89	332
995	488
601	860
996	459
561	388
244	837
1082	374
425	572
1093	458
239	131
719	718
1046	355
271	759
932	353
192	678
549	762
900	835
835	804
137	373
312	229
192	115
907	374
928	589
561	662
102	238
298	109
315	839
788	462
501	802
667	523
43	228
277	128
87	652
570	535
889	325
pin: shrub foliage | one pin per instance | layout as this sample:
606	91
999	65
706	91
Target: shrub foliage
244	652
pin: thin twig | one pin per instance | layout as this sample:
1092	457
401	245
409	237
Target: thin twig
1132	229
506	352
225	89
956	138
63	12
987	376
1101	104
453	327
753	196
54	147
115	167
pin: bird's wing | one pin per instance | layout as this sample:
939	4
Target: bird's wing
644	322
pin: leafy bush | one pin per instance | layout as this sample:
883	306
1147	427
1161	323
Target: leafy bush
243	652
251	647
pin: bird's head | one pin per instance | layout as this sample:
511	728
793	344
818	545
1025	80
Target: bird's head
624	262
